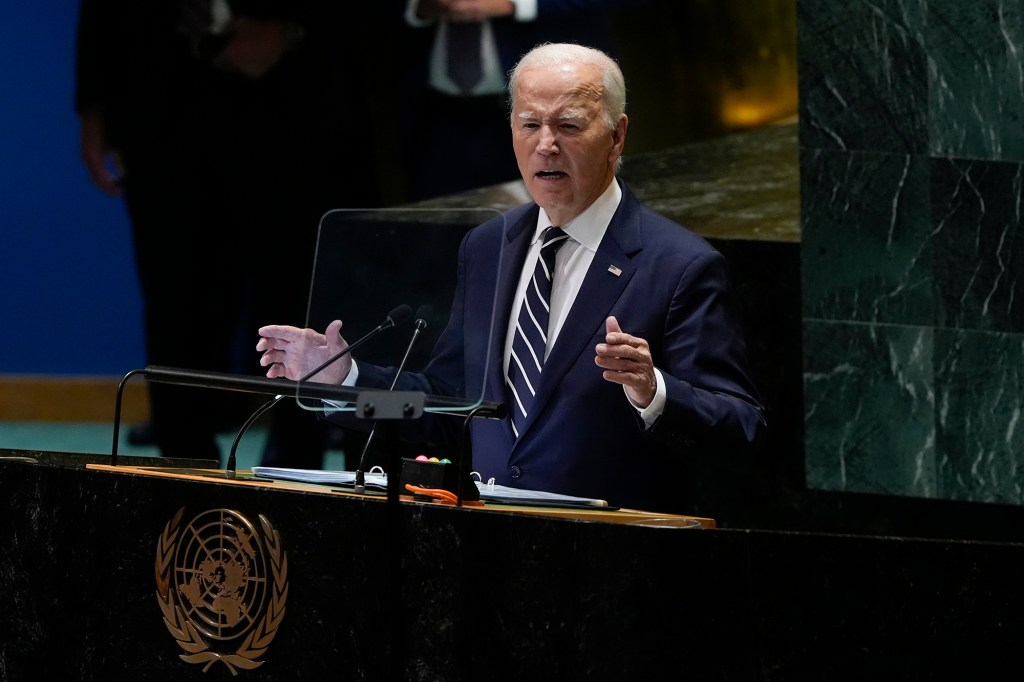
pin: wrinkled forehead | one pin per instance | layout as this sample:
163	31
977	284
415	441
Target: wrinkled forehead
546	87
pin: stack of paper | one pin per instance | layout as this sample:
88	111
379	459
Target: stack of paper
489	492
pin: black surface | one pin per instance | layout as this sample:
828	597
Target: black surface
432	593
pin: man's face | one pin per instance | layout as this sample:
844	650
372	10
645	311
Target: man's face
565	151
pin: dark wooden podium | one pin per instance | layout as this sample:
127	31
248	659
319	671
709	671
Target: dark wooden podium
129	574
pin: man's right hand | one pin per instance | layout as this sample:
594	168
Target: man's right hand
293	353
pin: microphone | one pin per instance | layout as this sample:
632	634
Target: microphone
422	313
397	316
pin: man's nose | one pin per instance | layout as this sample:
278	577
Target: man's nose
548	141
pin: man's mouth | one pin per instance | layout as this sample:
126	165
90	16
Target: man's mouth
550	174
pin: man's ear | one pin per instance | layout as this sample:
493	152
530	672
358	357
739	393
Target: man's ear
619	135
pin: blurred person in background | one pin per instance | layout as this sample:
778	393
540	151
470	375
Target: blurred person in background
222	124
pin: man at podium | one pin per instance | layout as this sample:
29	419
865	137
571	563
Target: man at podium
622	358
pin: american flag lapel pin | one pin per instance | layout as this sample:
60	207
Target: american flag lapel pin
615	270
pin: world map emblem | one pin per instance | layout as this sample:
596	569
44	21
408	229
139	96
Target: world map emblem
222	584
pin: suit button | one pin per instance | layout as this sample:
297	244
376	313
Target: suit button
514	472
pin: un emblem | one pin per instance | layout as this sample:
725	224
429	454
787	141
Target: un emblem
222	585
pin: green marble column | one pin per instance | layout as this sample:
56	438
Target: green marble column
911	146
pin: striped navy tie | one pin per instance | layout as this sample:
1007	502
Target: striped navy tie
531	336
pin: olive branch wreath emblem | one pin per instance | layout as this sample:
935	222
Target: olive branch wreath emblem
258	639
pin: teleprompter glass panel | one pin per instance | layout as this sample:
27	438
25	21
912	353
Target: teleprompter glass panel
376	266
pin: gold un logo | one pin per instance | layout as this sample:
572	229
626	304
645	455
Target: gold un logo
222	587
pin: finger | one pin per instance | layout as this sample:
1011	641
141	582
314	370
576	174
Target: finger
275	343
612	362
617	377
611	326
280	331
624	378
332	335
272	357
270	343
627	353
614	336
267	361
106	181
276	370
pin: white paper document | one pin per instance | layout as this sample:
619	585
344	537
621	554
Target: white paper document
489	492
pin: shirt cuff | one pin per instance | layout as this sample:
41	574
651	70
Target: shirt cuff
526	10
651	413
353	376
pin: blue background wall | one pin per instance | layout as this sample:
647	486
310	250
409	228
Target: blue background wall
70	302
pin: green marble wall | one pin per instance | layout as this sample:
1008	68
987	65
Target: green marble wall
911	151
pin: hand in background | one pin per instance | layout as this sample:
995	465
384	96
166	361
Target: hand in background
465	10
256	46
101	161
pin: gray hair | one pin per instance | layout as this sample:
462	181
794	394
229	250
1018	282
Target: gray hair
560	54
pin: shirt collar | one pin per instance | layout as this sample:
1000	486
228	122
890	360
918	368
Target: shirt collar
588	228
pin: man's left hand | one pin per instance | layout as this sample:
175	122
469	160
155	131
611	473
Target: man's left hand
626	360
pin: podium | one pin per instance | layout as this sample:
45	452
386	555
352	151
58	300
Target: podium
90	548
334	586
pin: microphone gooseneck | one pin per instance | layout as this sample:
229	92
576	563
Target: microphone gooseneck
422	313
397	316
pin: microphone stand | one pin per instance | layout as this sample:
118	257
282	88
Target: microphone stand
359	486
230	466
117	413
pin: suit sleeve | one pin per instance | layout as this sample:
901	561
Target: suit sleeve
711	400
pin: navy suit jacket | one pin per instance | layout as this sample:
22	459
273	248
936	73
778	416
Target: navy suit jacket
583	437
